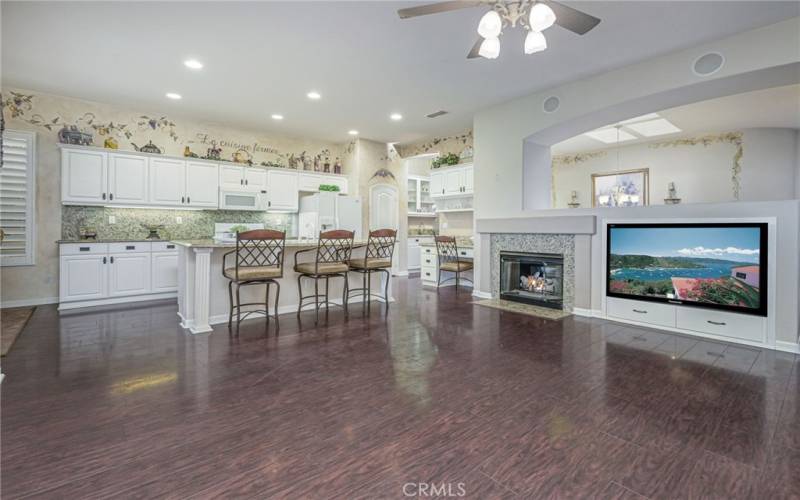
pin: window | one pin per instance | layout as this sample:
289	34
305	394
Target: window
17	198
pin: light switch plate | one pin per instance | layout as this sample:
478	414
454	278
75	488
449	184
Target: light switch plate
112	219
179	220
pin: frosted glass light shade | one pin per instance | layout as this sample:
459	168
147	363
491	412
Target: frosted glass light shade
535	42
490	25
541	17
490	48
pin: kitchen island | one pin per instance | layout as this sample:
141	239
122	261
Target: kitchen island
203	290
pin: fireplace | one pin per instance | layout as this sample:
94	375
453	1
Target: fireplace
532	278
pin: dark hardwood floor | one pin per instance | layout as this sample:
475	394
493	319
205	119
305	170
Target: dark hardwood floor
125	404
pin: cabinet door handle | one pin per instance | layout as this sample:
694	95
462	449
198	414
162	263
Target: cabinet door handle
183	199
241	182
718	323
247	182
84	249
112	259
104	196
170	246
188	199
104	260
639	311
130	247
269	203
110	196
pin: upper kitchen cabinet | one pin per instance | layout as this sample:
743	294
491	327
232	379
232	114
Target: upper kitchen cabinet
233	177
201	184
84	176
310	182
167	182
452	181
282	190
127	179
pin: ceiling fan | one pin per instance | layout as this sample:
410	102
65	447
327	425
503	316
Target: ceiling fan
532	15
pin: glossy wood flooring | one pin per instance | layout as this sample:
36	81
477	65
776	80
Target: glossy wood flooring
125	404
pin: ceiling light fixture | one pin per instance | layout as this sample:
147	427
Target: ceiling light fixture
396	117
277	117
490	25
535	42
193	64
490	48
353	132
173	95
541	17
314	95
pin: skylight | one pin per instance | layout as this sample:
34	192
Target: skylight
654	127
609	135
649	125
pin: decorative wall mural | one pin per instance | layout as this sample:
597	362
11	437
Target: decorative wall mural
452	144
734	138
113	127
383	173
575	159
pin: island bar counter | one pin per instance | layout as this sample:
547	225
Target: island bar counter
203	290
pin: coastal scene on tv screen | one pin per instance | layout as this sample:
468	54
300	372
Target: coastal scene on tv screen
711	265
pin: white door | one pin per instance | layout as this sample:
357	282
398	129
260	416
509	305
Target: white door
468	184
164	272
231	177
282	190
83	277
127	179
255	178
83	176
167	182
437	184
128	274
202	189
453	181
383	207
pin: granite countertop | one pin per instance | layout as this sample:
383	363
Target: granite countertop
111	240
210	243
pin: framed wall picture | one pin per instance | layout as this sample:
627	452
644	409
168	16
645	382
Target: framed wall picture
628	188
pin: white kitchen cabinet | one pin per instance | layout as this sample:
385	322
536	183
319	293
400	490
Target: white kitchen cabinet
437	184
201	184
282	190
255	178
164	272
453	181
128	273
310	182
341	182
469	187
231	177
84	176
127	179
83	277
167	182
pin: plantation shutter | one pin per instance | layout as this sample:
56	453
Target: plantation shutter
17	192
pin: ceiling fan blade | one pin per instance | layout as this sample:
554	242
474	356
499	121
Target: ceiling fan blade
475	48
571	19
435	8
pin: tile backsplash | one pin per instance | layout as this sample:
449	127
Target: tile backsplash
195	223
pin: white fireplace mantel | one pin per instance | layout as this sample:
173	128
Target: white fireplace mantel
551	224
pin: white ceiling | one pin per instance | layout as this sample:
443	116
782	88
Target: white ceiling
262	58
770	108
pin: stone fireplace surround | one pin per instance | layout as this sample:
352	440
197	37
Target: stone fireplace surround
561	244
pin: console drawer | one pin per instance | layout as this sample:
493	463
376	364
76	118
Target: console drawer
129	247
644	312
739	326
83	248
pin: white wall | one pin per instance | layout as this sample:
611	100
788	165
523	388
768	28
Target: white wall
702	174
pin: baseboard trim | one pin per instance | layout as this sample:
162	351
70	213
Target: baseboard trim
481	295
29	302
66	306
579	311
400	273
792	347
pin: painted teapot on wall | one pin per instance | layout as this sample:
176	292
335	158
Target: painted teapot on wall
147	148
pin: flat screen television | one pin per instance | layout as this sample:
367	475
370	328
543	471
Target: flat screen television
718	265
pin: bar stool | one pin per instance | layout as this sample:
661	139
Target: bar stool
332	253
447	252
377	258
259	261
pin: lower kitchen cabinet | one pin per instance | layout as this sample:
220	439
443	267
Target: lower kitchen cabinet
110	273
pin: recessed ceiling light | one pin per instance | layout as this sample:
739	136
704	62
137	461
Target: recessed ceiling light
314	95
654	127
610	135
353	132
193	64
277	117
396	117
173	95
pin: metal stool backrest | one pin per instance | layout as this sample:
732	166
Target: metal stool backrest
334	247
380	245
446	249
260	248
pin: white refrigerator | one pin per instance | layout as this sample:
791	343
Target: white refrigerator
326	211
